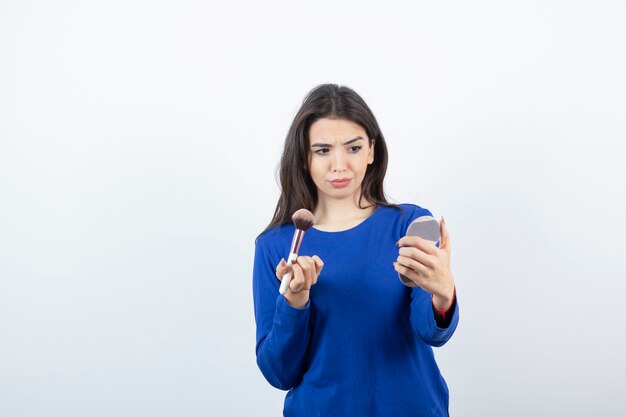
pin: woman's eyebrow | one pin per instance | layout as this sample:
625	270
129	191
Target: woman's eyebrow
328	145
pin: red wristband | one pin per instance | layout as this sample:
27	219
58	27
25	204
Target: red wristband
441	312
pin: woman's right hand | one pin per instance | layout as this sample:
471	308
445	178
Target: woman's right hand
306	269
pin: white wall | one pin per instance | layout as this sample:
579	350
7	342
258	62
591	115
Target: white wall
138	144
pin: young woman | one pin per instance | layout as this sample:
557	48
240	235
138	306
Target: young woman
348	338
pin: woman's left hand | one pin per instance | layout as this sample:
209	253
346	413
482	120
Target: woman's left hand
428	266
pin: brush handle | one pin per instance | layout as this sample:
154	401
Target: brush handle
284	284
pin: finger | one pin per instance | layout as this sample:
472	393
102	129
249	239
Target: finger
308	261
425	245
311	272
409	273
445	235
412	264
297	281
318	264
281	269
305	263
418	255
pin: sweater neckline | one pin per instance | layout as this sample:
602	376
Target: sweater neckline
353	228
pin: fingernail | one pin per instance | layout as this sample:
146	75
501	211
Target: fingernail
443	220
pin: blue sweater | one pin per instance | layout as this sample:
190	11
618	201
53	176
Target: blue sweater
362	344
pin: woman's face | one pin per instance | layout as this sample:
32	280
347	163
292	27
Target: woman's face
338	150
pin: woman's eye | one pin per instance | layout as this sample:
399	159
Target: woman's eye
355	149
322	151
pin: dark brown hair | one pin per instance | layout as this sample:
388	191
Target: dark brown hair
297	187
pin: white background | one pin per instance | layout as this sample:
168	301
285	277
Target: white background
138	147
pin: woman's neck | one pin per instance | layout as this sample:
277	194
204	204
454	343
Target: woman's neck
341	213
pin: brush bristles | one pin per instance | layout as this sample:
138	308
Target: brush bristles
303	219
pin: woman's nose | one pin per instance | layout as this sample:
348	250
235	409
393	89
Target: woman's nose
338	162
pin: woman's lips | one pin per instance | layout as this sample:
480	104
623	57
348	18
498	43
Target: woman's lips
340	183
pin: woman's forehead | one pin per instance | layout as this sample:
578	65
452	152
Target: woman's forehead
335	131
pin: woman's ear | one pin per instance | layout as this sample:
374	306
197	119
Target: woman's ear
371	152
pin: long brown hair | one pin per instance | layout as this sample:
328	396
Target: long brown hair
297	187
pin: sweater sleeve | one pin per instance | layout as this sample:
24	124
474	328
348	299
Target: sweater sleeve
424	321
427	324
282	332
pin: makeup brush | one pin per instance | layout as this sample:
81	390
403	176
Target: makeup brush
303	219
